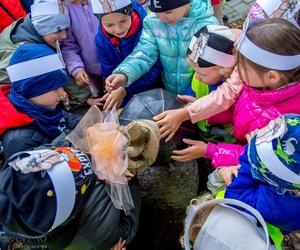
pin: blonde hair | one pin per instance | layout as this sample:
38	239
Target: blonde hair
201	216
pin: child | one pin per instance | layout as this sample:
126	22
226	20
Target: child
210	55
39	27
268	178
271	87
216	224
166	35
31	114
226	94
60	204
119	33
79	49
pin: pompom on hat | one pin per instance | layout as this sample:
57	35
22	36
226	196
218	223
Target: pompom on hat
212	45
43	189
274	153
49	16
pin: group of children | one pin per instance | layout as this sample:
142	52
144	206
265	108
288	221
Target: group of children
241	86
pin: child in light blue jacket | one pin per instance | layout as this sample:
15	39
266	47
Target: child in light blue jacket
166	35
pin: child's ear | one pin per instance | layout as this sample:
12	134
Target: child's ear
273	79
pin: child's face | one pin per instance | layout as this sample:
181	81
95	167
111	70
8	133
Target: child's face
51	38
270	79
172	17
50	99
208	75
116	24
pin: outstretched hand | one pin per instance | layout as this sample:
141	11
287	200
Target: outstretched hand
227	173
115	81
197	149
169	122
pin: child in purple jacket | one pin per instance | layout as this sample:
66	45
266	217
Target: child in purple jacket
79	49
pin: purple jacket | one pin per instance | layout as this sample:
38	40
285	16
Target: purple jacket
79	49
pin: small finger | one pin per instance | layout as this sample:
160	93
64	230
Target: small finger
159	116
170	136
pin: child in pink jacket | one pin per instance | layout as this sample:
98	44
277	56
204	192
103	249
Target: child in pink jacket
268	62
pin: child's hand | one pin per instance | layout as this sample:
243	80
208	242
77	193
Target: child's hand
169	121
227	173
82	78
94	101
115	81
120	245
115	98
186	98
196	150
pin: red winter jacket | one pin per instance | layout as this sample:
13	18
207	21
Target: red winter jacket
10	10
10	117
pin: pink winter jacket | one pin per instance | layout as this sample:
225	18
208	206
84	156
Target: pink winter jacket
253	110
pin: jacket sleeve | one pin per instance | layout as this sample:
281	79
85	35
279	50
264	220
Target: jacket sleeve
217	101
146	82
105	59
101	224
71	54
224	154
142	58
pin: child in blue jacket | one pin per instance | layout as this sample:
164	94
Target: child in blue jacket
119	32
268	177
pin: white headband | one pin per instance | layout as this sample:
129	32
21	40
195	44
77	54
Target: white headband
46	8
108	6
201	49
64	186
265	58
34	67
194	210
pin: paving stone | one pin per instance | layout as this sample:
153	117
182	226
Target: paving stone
242	8
232	3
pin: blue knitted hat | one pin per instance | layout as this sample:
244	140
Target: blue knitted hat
274	153
40	82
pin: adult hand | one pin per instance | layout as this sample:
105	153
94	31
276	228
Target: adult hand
115	99
82	78
169	121
115	81
186	98
197	149
227	173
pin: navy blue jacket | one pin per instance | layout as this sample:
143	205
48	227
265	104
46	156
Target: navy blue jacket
111	56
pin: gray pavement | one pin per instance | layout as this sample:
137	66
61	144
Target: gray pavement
237	9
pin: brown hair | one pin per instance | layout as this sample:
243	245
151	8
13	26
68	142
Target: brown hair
277	36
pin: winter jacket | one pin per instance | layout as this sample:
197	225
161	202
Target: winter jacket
278	208
101	224
169	43
79	49
253	110
18	131
10	11
19	32
110	56
217	101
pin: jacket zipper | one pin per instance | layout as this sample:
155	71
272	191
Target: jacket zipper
7	12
